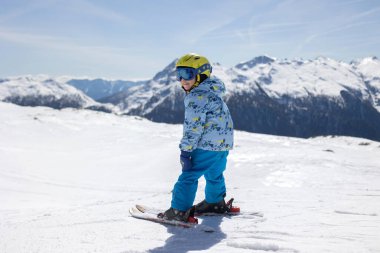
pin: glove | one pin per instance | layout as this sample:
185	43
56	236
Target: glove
185	159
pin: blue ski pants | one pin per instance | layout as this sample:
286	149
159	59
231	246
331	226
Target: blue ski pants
209	164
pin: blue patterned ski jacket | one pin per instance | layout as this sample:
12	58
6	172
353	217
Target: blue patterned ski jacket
208	124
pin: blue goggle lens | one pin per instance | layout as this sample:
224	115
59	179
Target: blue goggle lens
186	74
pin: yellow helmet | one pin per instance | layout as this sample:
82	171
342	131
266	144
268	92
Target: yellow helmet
195	61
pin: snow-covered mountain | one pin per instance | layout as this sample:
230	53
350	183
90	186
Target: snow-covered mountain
369	68
300	98
159	99
303	99
68	178
46	91
99	89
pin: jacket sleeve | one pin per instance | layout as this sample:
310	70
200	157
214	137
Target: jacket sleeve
195	118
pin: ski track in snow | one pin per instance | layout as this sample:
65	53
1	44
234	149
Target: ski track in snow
68	178
353	213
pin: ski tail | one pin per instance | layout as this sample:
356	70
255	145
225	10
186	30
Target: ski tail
229	210
232	209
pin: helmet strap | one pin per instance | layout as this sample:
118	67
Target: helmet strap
198	80
187	91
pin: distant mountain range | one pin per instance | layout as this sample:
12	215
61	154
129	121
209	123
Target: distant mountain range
100	88
45	91
301	98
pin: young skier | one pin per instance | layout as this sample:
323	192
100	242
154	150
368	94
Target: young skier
207	139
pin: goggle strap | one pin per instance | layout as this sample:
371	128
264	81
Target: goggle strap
203	68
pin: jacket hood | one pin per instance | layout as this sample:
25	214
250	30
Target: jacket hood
213	84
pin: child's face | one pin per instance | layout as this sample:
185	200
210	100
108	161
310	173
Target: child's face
187	84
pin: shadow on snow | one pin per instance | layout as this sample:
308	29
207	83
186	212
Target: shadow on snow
184	240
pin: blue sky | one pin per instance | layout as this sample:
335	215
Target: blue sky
134	39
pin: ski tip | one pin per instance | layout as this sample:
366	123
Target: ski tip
133	210
232	209
141	208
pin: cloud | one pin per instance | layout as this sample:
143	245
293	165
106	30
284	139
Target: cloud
84	7
25	8
62	44
262	29
366	13
342	28
88	7
221	17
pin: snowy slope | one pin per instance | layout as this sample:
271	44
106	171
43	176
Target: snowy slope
68	177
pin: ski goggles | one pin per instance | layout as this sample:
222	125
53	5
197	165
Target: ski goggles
186	73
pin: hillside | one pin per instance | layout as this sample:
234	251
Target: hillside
68	178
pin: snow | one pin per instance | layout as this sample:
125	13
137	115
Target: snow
369	67
68	178
38	85
296	78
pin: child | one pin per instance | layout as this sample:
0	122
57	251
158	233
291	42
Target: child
207	138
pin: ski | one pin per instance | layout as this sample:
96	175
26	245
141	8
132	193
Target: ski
151	214
232	210
145	213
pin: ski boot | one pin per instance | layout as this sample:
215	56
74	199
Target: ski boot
177	215
205	208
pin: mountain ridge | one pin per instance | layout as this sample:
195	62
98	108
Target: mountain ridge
45	91
300	98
